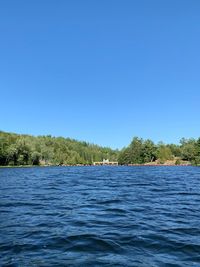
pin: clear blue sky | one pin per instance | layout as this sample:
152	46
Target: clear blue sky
101	71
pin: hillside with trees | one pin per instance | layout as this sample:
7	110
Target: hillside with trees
17	150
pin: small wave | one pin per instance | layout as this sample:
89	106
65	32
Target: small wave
116	210
109	201
83	243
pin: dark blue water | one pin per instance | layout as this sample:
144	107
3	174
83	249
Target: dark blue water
100	216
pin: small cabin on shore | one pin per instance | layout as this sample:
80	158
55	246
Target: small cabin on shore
105	162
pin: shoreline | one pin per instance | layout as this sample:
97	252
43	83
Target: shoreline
79	165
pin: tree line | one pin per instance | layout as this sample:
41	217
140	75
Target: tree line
146	151
17	149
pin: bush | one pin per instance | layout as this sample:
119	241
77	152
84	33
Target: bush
178	162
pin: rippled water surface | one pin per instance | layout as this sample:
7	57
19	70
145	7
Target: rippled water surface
100	216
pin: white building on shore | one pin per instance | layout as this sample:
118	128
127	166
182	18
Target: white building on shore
106	162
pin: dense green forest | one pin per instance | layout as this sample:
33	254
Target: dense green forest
17	149
144	151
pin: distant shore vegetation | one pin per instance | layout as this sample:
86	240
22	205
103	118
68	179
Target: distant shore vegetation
24	150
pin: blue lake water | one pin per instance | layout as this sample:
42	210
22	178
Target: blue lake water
100	216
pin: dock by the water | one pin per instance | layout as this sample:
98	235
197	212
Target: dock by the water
105	162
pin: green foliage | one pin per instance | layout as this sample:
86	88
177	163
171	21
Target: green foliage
188	149
29	150
178	162
175	149
164	153
196	159
35	158
18	149
145	151
139	151
149	151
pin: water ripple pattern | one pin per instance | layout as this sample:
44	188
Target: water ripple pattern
100	216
